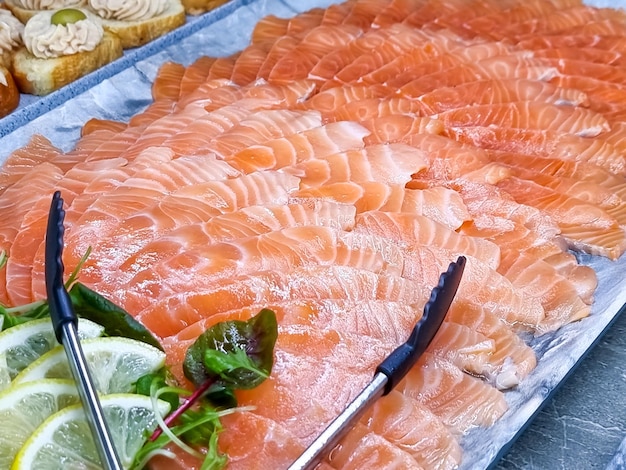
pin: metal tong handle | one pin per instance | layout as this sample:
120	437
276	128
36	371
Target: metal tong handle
65	324
391	370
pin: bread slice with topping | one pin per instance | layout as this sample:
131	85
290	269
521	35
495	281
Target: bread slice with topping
11	30
138	33
42	76
25	14
132	33
196	7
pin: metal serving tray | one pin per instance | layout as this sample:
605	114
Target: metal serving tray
122	88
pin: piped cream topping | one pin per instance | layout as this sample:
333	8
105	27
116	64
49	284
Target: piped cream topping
128	10
48	4
46	40
11	30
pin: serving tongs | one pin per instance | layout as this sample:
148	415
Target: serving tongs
65	324
391	370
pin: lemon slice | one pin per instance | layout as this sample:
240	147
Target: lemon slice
115	363
24	407
22	344
64	440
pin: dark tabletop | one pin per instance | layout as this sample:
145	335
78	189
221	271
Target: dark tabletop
584	423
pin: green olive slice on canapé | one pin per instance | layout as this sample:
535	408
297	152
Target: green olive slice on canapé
67	15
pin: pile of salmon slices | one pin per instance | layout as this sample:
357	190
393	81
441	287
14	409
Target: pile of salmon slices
331	171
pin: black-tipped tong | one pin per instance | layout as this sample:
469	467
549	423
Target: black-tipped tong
391	370
65	324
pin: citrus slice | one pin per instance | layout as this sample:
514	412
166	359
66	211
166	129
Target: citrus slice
22	344
115	363
64	440
24	407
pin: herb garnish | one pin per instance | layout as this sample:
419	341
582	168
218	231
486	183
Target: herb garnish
230	355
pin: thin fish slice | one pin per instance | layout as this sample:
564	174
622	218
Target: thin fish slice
302	146
544	143
166	84
500	67
528	114
412	228
387	163
189	204
299	62
493	91
458	399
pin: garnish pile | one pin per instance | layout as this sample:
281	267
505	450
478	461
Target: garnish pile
228	356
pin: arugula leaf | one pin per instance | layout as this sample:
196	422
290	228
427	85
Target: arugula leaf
198	427
237	353
116	321
12	316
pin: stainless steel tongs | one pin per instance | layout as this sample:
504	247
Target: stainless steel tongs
391	370
65	324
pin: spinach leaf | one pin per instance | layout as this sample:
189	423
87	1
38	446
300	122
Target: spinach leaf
115	320
236	353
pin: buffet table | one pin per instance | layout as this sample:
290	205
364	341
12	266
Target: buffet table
571	411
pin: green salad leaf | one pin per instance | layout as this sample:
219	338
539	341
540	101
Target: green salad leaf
116	321
236	353
228	356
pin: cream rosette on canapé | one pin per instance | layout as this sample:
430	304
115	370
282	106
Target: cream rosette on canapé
26	9
61	46
11	30
137	22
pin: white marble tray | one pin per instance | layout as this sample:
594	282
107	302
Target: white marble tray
122	89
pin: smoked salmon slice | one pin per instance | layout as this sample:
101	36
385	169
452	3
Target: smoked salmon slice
512	359
40	180
582	54
484	92
400	128
167	82
302	146
413	428
571	212
499	67
38	150
413	228
260	127
447	392
332	101
398	72
363	13
574	40
195	75
94	125
243	223
26	243
318	283
560	20
485	25
387	163
299	62
159	214
528	115
543	143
